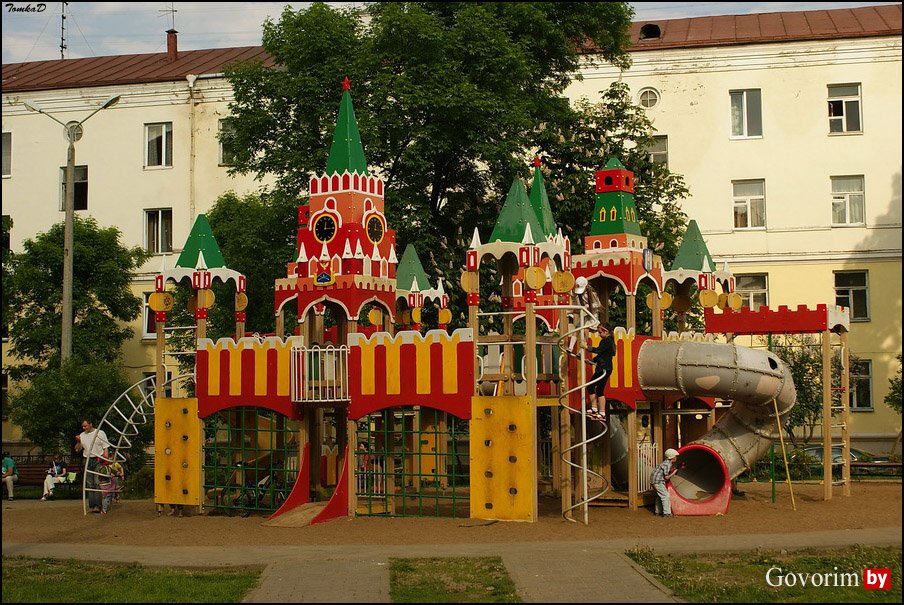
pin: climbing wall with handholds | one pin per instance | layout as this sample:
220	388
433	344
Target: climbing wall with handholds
503	458
177	452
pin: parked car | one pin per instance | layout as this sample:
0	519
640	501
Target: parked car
812	455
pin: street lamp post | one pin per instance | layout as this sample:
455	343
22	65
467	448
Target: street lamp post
74	131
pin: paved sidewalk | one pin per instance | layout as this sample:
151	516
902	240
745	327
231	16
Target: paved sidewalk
552	572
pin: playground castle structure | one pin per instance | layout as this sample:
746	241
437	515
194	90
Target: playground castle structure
340	419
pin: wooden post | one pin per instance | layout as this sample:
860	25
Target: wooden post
633	482
474	324
201	324
530	377
827	415
508	351
158	360
316	437
846	413
657	418
347	438
281	324
657	315
630	310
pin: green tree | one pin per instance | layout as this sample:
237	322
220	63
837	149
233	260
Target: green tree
256	235
8	259
102	300
50	409
452	100
893	399
803	355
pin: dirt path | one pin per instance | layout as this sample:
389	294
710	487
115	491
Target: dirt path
871	505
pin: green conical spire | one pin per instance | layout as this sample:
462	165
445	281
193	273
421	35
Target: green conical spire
346	152
693	253
516	214
410	270
201	240
540	202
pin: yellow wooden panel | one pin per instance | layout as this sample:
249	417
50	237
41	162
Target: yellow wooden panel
177	452
282	369
235	369
393	367
213	371
628	373
503	459
450	363
260	370
368	384
422	351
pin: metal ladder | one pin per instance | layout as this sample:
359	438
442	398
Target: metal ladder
121	423
587	320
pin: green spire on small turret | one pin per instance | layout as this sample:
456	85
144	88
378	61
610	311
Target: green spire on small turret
346	152
410	270
540	202
693	253
516	214
201	242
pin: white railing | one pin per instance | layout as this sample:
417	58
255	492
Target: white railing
647	455
370	478
319	374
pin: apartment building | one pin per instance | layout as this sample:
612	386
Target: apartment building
786	127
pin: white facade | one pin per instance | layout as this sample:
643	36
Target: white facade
781	161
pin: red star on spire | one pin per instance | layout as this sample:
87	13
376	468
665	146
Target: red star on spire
537	161
346	84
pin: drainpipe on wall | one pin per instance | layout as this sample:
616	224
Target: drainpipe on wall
191	78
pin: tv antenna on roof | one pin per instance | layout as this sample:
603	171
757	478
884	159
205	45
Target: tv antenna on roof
63	30
172	11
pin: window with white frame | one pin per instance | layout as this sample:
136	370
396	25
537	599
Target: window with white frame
159	146
749	204
4	329
847	200
159	230
659	150
7	153
746	113
754	289
844	108
81	188
227	151
861	382
852	291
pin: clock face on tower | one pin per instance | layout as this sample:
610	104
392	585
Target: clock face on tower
325	228
375	229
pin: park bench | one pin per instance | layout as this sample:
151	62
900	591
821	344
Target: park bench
34	473
878	468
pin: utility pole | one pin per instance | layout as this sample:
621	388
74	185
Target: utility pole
74	131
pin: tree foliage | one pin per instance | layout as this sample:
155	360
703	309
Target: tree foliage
893	397
50	409
102	300
803	355
452	101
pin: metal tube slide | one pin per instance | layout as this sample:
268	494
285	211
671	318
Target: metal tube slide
750	378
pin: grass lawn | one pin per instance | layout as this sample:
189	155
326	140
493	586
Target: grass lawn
28	580
450	580
742	577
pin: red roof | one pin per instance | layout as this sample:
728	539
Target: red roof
672	33
124	69
767	27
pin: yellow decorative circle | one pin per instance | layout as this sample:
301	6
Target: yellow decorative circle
206	297
470	281
562	282
666	300
375	317
445	316
735	301
708	298
241	301
416	315
160	301
535	278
